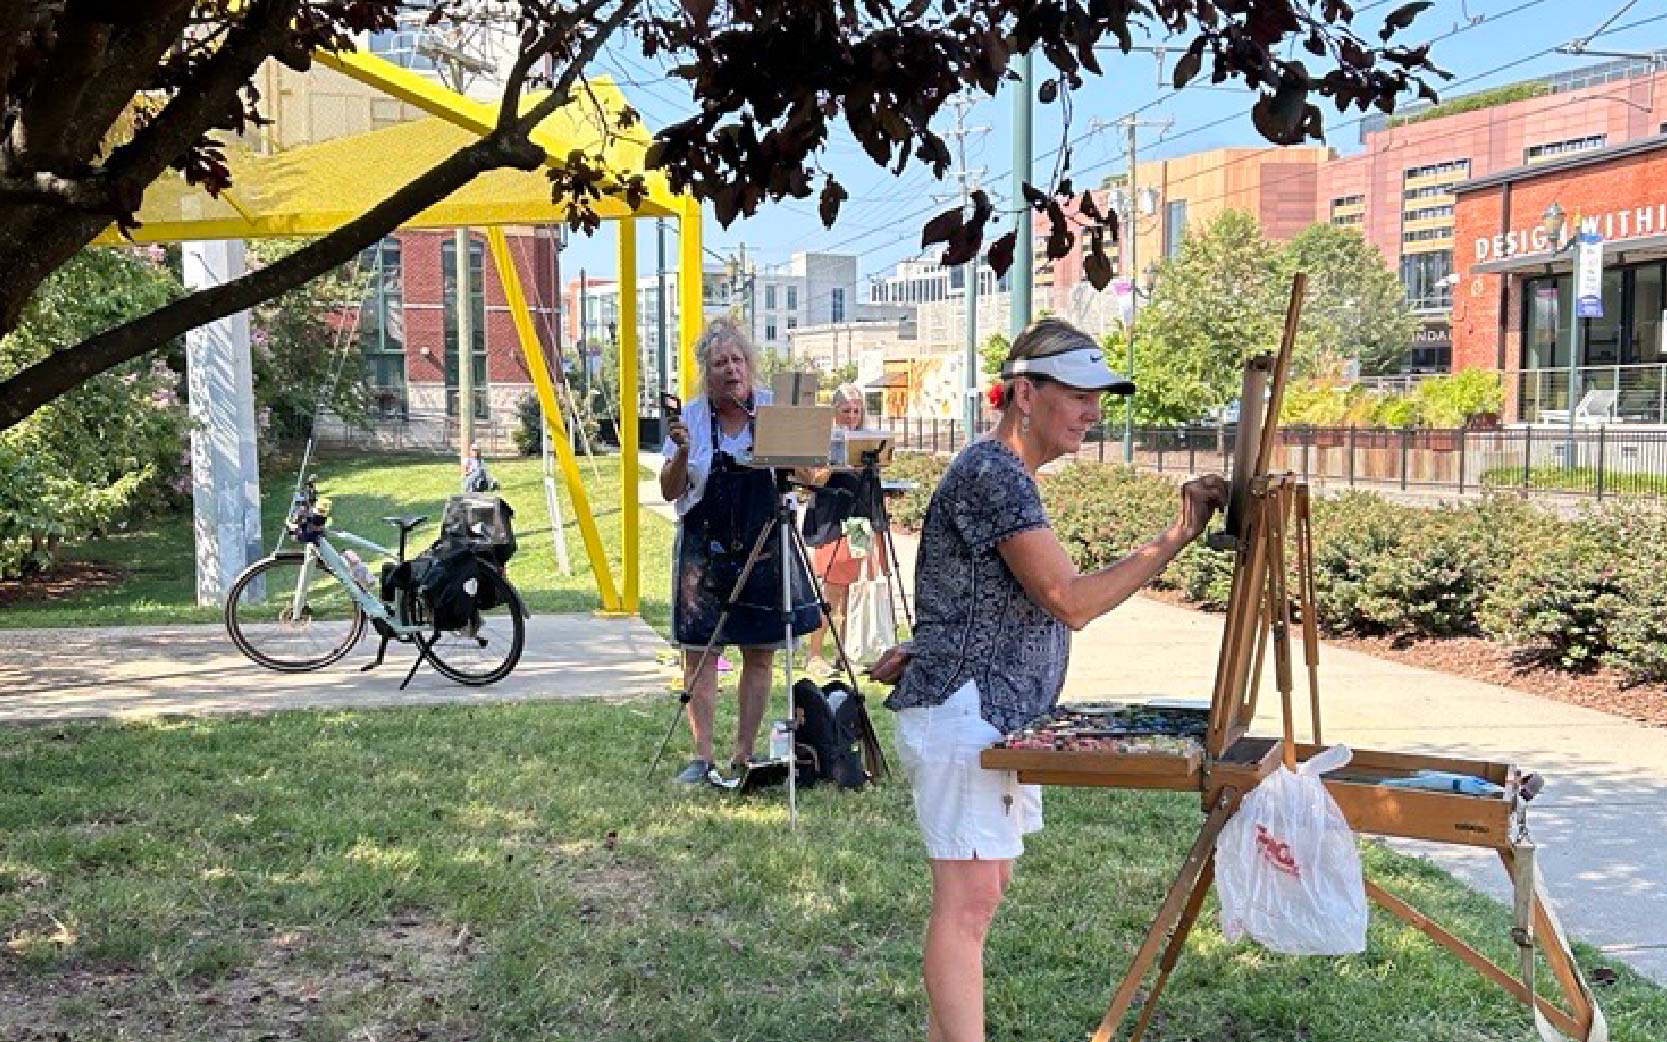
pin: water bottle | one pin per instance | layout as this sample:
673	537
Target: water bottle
781	740
359	570
836	448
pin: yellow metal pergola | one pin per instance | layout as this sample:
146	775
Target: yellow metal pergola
316	189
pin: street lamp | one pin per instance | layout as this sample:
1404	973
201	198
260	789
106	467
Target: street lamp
1552	222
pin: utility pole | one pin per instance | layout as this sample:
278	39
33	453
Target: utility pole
660	356
1129	232
465	343
1022	280
584	334
968	180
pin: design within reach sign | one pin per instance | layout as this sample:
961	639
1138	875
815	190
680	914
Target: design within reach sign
1588	276
1620	224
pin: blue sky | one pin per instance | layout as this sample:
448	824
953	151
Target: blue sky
881	221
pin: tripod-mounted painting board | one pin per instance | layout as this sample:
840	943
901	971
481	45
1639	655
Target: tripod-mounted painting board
1267	529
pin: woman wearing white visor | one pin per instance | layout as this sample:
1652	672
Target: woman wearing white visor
996	596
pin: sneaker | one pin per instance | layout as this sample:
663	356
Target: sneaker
694	772
724	665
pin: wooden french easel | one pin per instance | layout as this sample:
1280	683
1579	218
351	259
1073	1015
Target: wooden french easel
1267	528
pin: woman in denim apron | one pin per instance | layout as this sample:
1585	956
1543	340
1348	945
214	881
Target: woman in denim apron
722	508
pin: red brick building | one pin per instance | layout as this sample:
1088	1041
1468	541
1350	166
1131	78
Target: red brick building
1512	299
408	331
1399	190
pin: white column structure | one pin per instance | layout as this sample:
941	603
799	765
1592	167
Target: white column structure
225	474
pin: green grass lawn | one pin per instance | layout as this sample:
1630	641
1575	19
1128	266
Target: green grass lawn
156	556
504	872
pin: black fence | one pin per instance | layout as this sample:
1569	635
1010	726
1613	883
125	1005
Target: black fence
1596	461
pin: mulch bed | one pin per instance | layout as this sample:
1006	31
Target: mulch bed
1602	688
59	582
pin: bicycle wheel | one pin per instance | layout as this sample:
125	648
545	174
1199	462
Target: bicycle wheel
487	649
264	623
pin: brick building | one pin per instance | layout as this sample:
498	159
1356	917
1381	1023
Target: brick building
408	331
1511	308
1399	190
1276	186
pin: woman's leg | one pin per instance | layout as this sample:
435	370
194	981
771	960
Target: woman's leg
754	691
965	896
836	594
703	699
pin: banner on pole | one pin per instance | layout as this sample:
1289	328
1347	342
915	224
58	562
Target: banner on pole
1588	276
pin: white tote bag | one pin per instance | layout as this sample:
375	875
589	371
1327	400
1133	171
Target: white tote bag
1287	869
869	629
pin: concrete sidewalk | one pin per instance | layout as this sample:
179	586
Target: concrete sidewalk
194	670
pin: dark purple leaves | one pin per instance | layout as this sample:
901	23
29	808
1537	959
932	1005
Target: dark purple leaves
1000	254
1402	17
832	195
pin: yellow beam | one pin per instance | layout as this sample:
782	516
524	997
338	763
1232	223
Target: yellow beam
627	283
691	314
411	88
516	299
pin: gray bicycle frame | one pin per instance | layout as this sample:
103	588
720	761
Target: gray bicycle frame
325	554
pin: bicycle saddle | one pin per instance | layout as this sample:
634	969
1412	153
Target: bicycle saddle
405	524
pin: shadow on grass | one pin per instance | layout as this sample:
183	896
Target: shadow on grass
610	907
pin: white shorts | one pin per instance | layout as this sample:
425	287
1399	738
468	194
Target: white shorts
965	812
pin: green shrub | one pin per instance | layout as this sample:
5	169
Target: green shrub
925	469
529	426
1100	513
1355	539
1560	601
1203	576
1454	400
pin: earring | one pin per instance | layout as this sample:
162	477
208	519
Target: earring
1024	424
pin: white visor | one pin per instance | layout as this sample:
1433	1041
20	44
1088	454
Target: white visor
1083	368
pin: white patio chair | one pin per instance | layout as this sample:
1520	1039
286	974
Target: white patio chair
1595	409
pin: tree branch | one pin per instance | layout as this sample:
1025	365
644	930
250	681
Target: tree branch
92	193
134	53
12	17
181	122
66	369
38	133
561	92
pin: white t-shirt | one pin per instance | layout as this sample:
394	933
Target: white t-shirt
697	416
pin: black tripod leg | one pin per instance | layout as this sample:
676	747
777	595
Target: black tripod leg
683	697
682	700
381	651
896	568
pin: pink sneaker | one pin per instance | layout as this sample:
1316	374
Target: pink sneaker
724	665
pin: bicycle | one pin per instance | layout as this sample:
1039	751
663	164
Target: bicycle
303	609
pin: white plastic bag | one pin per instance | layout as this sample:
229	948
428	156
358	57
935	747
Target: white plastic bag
870	627
1287	869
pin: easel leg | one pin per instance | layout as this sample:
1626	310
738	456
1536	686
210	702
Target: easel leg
1309	601
1172	953
1587	1022
1279	617
1174	905
1476	960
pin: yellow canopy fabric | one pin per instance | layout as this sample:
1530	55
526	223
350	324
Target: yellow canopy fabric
315	189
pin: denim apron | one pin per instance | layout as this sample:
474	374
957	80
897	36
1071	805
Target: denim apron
713	542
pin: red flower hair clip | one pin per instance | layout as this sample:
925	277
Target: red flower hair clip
994	394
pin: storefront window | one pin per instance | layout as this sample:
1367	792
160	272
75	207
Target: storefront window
1648	302
1545	333
1629	333
1601	339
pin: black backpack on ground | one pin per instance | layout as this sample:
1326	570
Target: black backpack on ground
832	723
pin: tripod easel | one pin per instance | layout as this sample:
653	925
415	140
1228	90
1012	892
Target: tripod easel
790	552
1267	523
